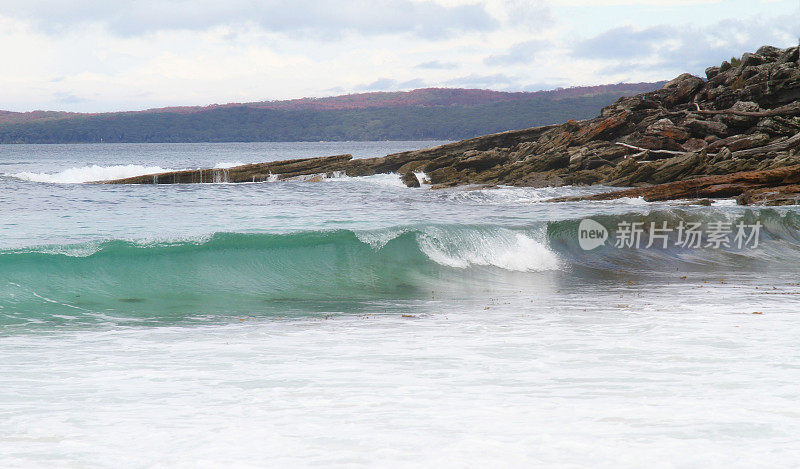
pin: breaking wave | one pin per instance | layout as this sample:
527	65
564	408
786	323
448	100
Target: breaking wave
90	173
244	272
237	272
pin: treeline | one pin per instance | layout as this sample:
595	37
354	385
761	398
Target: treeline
245	124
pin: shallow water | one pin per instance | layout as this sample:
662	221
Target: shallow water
358	322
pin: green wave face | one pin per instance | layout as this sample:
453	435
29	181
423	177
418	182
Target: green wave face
233	273
241	273
229	272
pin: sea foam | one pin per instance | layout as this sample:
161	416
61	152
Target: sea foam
506	249
90	173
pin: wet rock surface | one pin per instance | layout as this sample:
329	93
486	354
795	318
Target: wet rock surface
743	118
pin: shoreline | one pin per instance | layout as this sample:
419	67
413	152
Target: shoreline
726	136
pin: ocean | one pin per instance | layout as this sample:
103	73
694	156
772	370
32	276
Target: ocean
357	322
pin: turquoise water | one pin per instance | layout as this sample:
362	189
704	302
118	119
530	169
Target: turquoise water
355	321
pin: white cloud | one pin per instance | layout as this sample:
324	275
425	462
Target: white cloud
311	17
672	49
97	55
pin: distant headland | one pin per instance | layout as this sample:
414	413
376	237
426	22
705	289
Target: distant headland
423	114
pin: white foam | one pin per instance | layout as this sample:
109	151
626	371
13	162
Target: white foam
502	248
517	195
378	238
388	179
725	203
90	173
228	164
631	201
583	377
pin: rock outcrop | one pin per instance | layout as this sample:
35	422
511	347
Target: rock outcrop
743	118
778	186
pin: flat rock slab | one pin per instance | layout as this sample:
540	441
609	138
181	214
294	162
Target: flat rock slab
781	183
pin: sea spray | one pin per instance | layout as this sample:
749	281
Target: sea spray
90	173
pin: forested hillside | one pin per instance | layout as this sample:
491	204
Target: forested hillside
420	114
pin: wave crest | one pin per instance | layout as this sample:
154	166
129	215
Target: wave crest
90	173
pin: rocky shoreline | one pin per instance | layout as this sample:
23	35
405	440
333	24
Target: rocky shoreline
734	134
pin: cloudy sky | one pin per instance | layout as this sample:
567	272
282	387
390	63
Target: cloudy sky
101	55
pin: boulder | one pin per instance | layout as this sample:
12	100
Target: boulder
751	60
711	72
694	144
769	52
789	55
737	121
682	88
665	128
703	128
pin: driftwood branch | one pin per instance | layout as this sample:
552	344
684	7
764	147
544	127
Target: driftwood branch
640	149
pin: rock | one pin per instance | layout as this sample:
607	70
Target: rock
711	72
740	122
751	60
410	179
549	161
653	142
665	128
594	162
777	126
682	88
702	128
577	156
604	126
676	168
480	160
790	55
622	173
769	52
747	106
722	155
613	153
745	198
713	187
246	173
703	202
740	142
771	196
694	144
